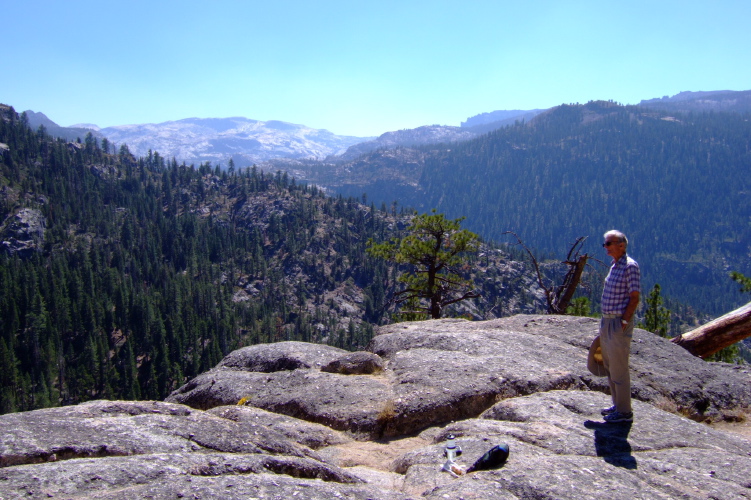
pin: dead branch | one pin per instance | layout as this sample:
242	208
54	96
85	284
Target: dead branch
559	297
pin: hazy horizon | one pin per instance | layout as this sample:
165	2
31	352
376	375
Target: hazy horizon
360	70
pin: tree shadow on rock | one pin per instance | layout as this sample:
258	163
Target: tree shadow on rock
611	443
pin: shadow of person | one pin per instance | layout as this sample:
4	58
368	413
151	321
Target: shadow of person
611	443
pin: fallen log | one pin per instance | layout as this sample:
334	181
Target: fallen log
717	334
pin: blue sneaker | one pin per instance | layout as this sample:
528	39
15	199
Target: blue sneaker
617	417
607	411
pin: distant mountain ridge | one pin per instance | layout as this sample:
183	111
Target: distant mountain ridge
487	122
217	140
247	141
250	142
55	130
716	100
429	134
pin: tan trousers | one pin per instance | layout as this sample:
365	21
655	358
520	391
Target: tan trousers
616	348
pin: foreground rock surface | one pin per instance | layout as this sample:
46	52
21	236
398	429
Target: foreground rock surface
305	432
560	449
123	449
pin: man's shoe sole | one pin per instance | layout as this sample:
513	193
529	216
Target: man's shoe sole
619	420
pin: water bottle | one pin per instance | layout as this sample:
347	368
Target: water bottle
494	458
452	451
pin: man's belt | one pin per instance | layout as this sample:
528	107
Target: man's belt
611	316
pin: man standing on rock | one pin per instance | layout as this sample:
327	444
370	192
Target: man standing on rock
620	297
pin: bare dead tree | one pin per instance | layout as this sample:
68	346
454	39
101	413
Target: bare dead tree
559	297
576	262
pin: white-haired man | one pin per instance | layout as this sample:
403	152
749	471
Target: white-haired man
620	298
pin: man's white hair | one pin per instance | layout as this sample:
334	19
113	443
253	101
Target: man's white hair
617	234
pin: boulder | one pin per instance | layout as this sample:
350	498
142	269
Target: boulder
355	363
281	356
438	371
121	449
358	404
186	475
122	428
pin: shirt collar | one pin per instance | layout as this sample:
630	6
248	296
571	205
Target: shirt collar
622	260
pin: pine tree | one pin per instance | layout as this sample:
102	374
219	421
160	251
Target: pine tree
435	249
744	281
656	317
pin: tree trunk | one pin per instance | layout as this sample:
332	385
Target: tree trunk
570	283
717	334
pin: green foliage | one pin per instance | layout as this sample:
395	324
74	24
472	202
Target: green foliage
744	281
656	316
434	250
580	306
739	352
744	351
730	354
410	312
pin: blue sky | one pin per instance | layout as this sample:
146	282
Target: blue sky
359	68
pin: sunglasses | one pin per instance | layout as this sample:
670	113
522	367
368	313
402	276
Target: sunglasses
608	243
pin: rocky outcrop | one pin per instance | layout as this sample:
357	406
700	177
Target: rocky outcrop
440	371
23	232
296	387
303	432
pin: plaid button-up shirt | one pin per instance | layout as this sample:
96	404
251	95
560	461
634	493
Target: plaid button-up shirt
624	277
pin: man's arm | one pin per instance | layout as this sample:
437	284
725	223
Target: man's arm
633	303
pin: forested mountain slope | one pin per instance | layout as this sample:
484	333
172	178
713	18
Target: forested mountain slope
698	102
678	185
121	277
